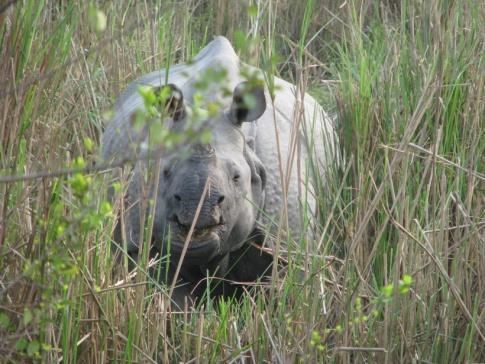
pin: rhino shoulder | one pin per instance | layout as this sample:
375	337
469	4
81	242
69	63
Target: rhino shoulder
273	145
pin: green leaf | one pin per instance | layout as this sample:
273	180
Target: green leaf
88	144
79	162
79	184
147	94
387	290
97	18
358	304
405	284
21	344
33	348
105	208
407	279
27	316
116	186
101	21
205	136
212	109
4	320
240	41
252	11
249	101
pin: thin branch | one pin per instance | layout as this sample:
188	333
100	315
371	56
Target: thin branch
357	349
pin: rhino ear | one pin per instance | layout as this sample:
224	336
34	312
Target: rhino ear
248	103
172	101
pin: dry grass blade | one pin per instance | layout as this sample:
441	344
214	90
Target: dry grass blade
456	293
189	236
390	267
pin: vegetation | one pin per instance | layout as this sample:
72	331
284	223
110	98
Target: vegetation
396	270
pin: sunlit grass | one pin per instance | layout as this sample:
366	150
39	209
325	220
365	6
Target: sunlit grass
394	271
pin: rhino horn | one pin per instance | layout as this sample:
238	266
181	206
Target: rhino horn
202	151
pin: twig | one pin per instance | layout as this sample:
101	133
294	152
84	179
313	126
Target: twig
307	53
189	236
120	335
208	339
352	348
443	160
101	167
449	228
114	288
80	341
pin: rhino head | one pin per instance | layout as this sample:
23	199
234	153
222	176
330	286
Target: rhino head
235	179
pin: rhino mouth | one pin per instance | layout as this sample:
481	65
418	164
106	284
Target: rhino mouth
201	238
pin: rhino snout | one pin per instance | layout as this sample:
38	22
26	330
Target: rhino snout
185	208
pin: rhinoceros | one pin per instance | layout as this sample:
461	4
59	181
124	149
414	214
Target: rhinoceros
258	143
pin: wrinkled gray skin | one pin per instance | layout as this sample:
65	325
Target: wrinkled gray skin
241	165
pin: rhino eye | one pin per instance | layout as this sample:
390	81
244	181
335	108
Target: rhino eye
236	177
166	173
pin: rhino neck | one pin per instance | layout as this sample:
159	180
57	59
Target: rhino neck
217	267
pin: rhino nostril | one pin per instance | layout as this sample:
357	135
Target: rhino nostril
177	198
220	199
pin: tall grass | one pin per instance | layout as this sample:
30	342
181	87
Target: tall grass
395	272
